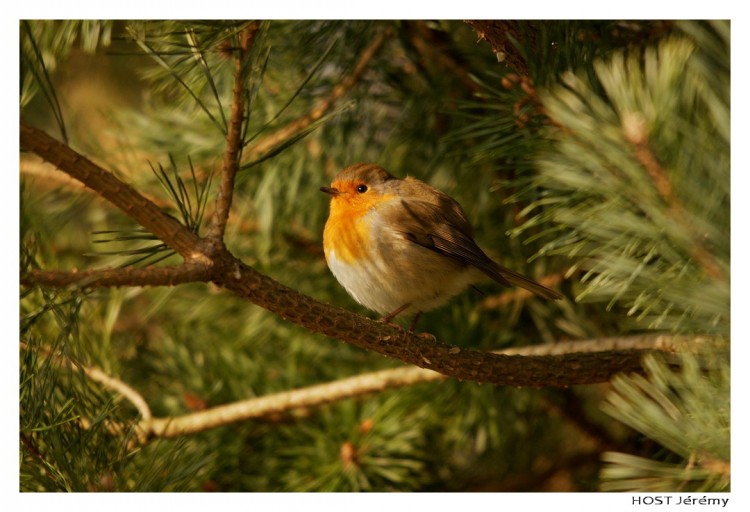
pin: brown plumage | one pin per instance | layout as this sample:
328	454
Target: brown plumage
400	244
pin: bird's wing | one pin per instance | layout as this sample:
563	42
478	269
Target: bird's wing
446	231
443	228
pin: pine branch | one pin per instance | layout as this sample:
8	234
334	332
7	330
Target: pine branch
368	437
294	128
47	173
49	176
635	129
109	382
106	184
687	411
502	35
129	276
390	340
33	450
373	382
359	385
234	136
428	45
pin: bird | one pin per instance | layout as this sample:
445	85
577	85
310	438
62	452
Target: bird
402	246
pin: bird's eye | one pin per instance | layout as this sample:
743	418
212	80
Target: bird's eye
361	189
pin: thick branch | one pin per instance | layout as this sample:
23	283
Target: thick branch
234	136
47	174
151	276
230	273
120	194
392	341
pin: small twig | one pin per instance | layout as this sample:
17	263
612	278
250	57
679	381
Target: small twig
234	136
282	402
33	450
425	41
151	276
130	394
288	131
635	129
529	104
107	381
500	34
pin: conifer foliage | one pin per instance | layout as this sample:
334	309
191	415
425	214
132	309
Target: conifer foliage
593	156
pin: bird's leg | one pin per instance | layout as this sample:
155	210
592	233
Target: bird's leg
414	322
387	318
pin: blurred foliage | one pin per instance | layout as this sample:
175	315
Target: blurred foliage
539	156
624	175
671	407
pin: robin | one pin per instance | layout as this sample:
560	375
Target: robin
400	245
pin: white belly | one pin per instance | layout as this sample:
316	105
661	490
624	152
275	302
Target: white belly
384	285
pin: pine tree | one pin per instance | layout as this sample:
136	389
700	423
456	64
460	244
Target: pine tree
593	156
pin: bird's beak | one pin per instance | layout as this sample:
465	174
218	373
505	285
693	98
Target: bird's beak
330	190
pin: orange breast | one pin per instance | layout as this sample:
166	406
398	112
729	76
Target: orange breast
347	231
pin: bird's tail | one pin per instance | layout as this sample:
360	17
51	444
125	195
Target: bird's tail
505	275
